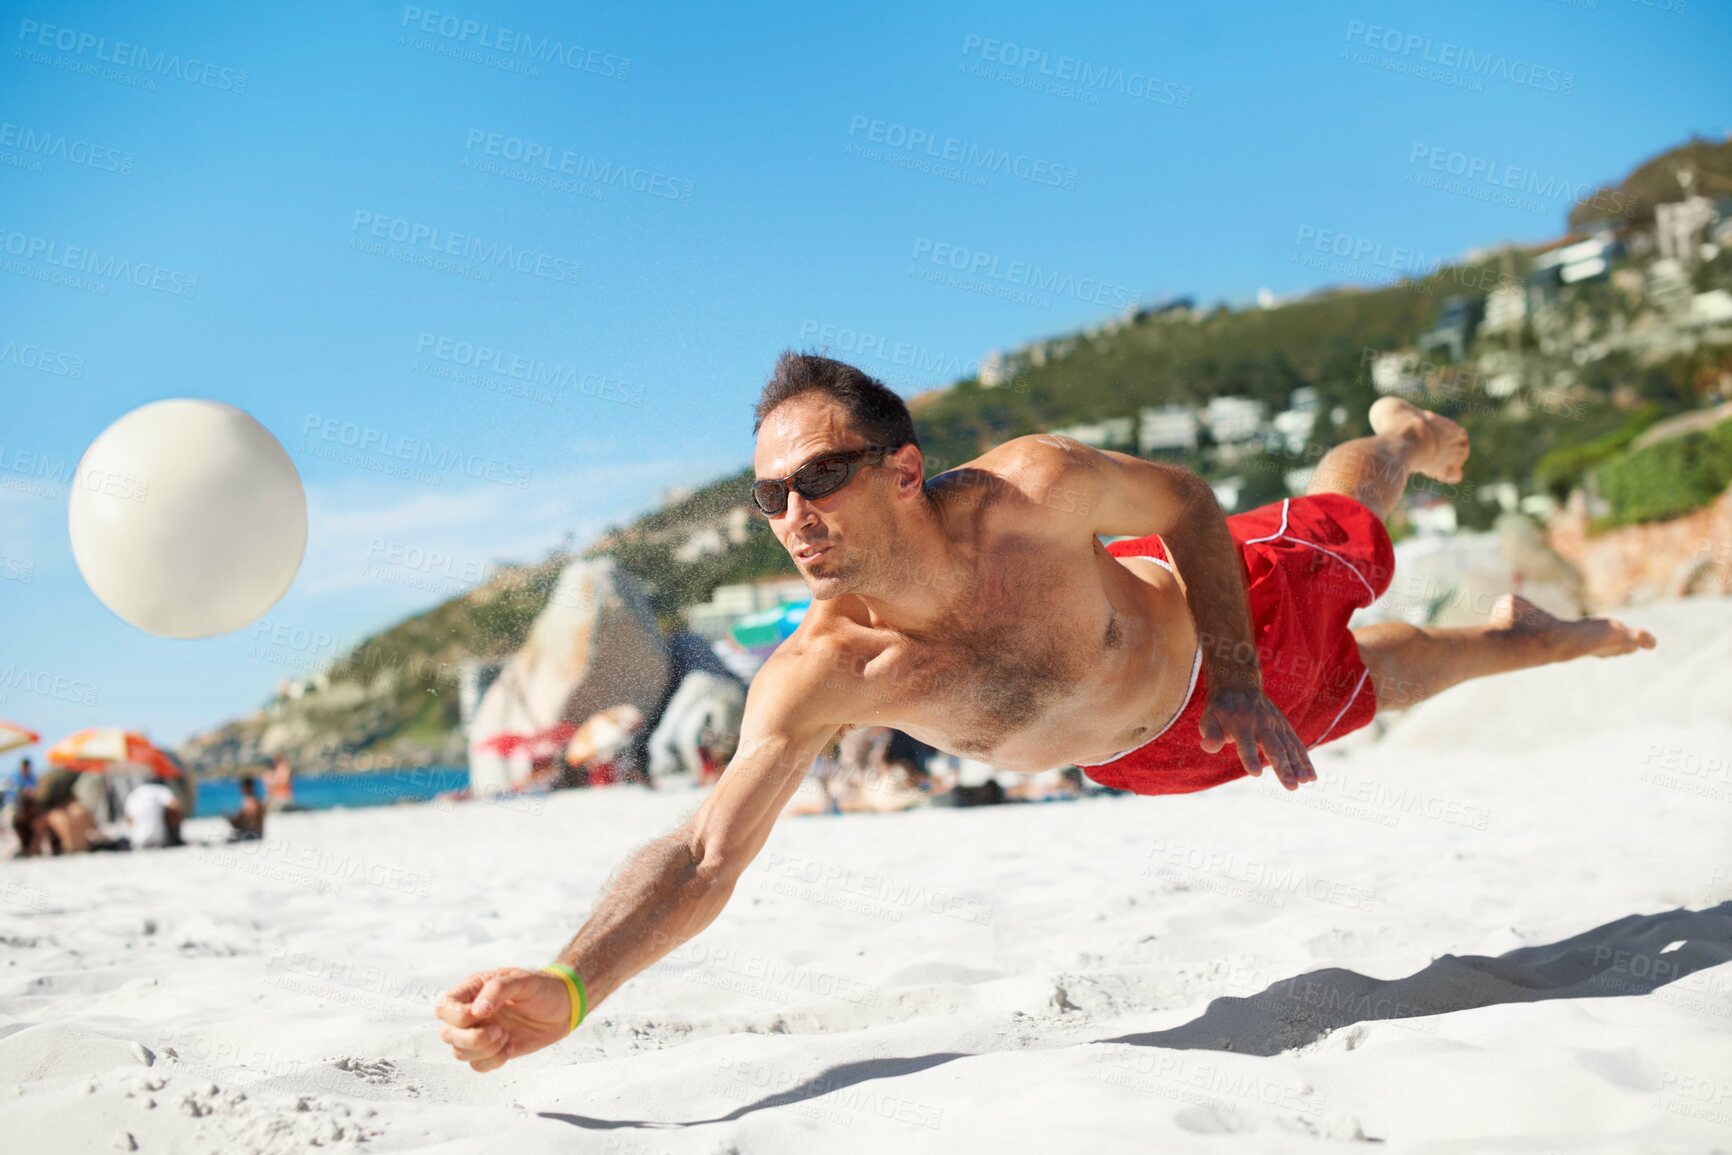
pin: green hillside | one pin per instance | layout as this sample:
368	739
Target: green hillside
394	697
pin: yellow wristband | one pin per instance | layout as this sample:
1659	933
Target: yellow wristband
574	985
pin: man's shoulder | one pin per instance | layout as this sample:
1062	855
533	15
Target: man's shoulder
1034	458
1025	474
801	678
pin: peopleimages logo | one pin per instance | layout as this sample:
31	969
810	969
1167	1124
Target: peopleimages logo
966	153
28	356
141	273
1502	176
433	239
49	685
588	169
532	371
192	70
1069	69
859	345
975	263
71	150
1448	54
1366	250
366	439
541	49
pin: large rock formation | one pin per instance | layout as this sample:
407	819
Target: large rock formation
595	645
1638	563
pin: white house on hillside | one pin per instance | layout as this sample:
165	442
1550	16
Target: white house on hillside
1234	419
1167	427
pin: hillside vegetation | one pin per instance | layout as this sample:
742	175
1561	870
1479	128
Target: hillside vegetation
394	697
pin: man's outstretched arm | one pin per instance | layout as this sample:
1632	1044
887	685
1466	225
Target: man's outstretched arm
663	895
1123	495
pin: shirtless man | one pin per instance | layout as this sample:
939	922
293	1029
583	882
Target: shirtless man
979	612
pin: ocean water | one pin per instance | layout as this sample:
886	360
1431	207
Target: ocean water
219	796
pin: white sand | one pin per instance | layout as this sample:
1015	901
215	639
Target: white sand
1505	926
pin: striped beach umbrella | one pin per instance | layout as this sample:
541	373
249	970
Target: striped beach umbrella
111	748
14	736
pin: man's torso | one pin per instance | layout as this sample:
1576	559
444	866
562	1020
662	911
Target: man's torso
1053	652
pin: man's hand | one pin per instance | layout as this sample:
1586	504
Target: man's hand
1247	718
499	1015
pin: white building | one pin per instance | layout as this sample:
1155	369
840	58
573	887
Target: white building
1432	518
995	369
1105	434
702	543
1502	385
1234	419
1396	373
1296	423
1506	307
716	537
1711	308
1681	226
1227	492
1579	261
1167	427
1668	284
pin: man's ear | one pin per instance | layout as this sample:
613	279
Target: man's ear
910	467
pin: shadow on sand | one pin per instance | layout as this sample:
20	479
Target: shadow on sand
1635	955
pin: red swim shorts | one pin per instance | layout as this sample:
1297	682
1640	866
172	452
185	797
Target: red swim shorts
1308	562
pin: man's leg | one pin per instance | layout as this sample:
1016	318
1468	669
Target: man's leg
1405	440
1409	663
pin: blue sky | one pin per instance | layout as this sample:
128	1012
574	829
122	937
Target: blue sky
644	208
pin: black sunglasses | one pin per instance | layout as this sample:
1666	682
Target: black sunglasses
817	478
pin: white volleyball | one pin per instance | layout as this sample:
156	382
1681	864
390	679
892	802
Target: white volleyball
187	518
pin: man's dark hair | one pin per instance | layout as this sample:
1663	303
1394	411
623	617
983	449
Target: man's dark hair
249	785
872	408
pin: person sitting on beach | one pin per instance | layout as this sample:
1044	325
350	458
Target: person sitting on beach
27	824
154	814
249	821
65	825
980	611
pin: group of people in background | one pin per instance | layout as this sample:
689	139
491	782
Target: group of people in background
875	769
47	817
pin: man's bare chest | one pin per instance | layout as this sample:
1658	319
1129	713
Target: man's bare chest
1023	645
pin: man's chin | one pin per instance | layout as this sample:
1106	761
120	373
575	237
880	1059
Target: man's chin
825	588
825	585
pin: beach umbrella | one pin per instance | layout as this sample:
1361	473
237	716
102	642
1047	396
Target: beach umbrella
13	736
111	748
603	734
772	626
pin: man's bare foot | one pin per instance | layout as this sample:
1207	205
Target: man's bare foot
1440	444
1601	637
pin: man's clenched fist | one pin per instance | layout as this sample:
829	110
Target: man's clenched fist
495	1016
